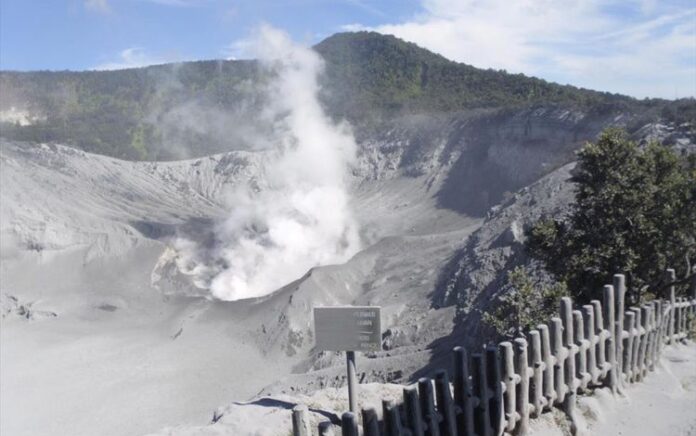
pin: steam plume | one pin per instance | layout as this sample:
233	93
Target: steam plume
301	217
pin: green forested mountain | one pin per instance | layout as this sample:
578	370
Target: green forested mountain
206	106
381	72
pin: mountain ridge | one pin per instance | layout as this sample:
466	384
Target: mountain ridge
184	110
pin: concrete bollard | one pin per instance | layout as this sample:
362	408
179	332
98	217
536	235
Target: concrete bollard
582	345
462	393
496	410
445	406
620	289
392	420
653	336
682	317
660	339
482	422
645	341
427	405
609	311
570	398
588	310
636	345
677	320
560	354
549	361
370	422
671	277
628	351
536	384
301	425
413	414
569	343
349	424
510	379
521	359
601	338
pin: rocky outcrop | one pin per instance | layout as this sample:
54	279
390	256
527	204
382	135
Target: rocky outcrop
477	273
478	270
475	159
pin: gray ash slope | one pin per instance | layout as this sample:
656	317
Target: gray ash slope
87	247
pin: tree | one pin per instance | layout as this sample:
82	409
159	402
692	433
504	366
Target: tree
524	305
634	213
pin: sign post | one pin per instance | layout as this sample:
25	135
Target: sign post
352	388
349	329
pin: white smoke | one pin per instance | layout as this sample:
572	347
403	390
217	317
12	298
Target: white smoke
301	217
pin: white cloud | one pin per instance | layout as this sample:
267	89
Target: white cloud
239	49
101	6
641	48
132	57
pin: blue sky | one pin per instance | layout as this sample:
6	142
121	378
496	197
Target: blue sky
636	47
79	34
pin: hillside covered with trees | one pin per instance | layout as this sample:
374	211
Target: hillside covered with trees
195	108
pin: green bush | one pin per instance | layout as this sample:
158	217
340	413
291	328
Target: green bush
524	305
634	213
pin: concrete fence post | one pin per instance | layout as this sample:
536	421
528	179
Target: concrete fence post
601	339
549	362
649	358
677	320
427	399
349	424
692	308
644	343
682	317
496	409
560	354
570	398
659	331
391	418
687	315
609	311
510	379
628	351
620	287
635	359
692	292
414	416
588	310
462	393
448	423
301	425
523	387
671	278
654	337
370	422
482	423
582	374
536	385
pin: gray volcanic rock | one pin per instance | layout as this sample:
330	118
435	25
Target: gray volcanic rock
478	270
682	136
476	158
476	275
90	238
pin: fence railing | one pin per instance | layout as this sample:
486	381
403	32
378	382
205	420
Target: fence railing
496	391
